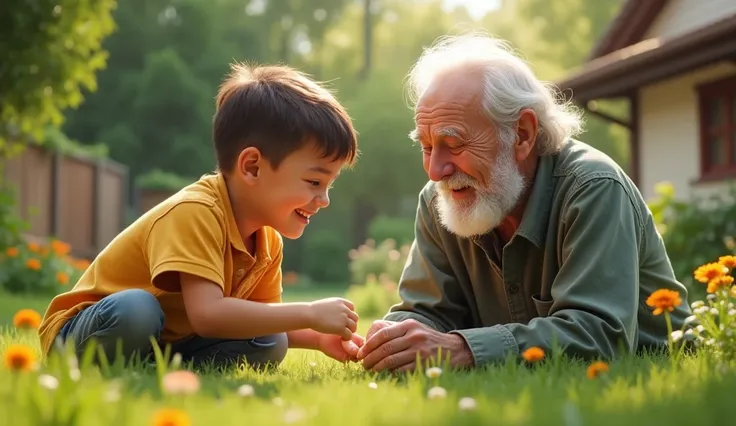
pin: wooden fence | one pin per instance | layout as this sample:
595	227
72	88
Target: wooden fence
77	200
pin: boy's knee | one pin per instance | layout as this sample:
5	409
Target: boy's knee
267	351
136	314
277	352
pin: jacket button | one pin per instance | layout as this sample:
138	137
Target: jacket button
239	273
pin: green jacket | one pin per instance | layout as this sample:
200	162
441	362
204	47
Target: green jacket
576	273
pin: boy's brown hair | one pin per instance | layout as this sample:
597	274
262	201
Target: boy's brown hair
278	109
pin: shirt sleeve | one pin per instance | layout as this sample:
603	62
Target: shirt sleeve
429	291
595	294
188	238
270	289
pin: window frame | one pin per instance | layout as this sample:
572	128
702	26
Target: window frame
725	87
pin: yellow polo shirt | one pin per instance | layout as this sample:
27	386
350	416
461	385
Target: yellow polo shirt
193	231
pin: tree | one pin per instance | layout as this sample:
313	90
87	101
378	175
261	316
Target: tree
51	50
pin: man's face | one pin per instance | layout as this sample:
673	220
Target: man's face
478	179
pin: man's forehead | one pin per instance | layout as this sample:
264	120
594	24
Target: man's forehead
455	85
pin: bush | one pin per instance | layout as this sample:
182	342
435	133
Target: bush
383	259
374	298
32	268
695	231
324	257
162	181
399	229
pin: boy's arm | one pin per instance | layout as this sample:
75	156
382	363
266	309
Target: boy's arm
211	314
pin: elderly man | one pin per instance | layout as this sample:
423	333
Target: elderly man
524	237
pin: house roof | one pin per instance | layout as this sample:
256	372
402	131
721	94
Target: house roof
619	67
628	27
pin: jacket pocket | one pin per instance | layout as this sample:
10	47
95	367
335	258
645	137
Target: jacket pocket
543	306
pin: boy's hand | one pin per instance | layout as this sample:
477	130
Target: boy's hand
333	316
342	350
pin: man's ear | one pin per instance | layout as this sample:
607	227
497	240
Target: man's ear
249	165
526	134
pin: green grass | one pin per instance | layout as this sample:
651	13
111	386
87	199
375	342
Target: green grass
309	388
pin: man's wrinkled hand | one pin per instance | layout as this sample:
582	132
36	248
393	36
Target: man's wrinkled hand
394	346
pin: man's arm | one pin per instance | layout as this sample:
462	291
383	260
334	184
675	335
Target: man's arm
595	293
429	291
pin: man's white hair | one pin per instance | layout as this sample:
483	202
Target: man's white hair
509	87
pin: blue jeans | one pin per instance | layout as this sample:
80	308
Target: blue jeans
132	317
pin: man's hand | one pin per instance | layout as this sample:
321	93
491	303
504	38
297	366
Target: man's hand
341	350
394	346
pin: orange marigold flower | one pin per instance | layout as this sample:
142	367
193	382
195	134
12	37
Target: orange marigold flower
27	318
709	271
82	264
33	264
34	247
596	369
728	261
170	417
60	248
62	277
721	282
533	354
12	251
664	300
20	358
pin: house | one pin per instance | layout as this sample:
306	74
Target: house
674	61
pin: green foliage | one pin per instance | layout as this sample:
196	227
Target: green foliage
399	229
51	50
324	258
30	268
373	298
11	224
160	180
696	230
57	141
384	260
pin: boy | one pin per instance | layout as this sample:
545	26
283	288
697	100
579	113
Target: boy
202	270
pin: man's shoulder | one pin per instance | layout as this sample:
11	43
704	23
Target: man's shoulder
583	162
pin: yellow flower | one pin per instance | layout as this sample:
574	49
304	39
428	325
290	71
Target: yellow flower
533	354
170	417
596	369
20	358
33	264
709	271
721	282
62	277
27	318
664	300
12	251
728	261
180	382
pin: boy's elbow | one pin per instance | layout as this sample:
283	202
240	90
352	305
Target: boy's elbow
202	322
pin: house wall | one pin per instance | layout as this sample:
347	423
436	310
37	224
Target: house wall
669	133
681	16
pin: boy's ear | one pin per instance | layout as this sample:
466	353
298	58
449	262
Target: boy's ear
249	164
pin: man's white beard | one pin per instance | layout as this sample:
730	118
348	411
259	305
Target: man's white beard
489	206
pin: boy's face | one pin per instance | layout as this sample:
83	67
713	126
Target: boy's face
285	198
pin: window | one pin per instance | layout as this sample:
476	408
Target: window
718	129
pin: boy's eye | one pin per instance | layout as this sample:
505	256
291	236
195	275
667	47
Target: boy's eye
314	182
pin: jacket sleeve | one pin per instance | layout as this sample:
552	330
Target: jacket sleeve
428	288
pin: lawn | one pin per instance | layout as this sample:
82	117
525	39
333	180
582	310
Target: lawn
309	388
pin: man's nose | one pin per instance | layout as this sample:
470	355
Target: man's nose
439	166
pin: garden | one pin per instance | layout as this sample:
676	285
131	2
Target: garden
689	384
